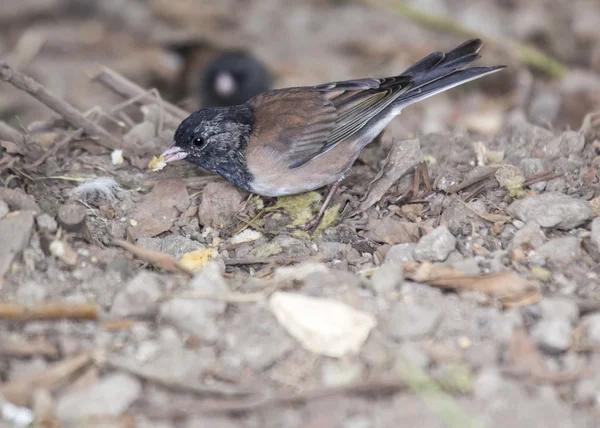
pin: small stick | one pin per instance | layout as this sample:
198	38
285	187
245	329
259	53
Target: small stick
281	260
161	260
9	133
68	112
20	391
377	387
48	311
132	367
542	176
127	89
39	346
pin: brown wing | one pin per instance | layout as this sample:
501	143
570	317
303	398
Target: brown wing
301	123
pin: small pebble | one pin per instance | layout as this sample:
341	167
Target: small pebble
435	246
553	336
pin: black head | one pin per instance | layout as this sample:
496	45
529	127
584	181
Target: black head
216	139
233	78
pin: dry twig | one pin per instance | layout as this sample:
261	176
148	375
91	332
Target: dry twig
160	260
68	112
48	311
129	90
190	385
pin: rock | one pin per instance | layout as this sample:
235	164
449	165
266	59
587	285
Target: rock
387	278
3	209
174	245
391	230
45	222
436	245
300	272
160	208
15	231
111	396
340	233
139	297
561	251
460	219
556	185
197	316
531	235
559	307
30	293
341	372
221	201
414	354
411	320
17	200
267	250
506	173
595	234
337	251
553	336
531	167
400	254
72	217
592	330
551	209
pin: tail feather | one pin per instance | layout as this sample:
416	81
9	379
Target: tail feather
437	84
441	71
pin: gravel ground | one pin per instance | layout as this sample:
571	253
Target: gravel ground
454	283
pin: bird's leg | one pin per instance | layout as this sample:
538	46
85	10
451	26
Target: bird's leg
312	225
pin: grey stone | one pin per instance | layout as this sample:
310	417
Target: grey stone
387	278
559	307
197	316
15	231
595	234
558	184
553	336
30	293
460	219
111	396
508	172
561	251
531	167
46	222
551	210
469	266
411	320
592	335
400	254
4	209
139	297
530	235
341	372
413	353
22	369
174	245
436	245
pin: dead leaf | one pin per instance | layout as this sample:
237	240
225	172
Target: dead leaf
160	209
39	346
160	260
404	157
57	375
48	311
392	231
508	287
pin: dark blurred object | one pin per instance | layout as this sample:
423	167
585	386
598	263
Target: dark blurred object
232	78
212	75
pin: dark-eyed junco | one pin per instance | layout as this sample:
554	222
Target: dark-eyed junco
294	140
232	78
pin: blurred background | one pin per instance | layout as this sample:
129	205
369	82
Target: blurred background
551	46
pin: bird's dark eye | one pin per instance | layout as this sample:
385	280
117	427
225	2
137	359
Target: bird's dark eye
198	141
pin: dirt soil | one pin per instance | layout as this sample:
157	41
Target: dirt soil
453	283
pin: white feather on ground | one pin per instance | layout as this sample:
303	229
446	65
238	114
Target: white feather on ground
97	188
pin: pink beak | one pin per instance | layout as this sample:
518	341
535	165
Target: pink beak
173	153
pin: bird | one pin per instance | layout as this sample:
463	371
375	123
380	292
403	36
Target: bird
231	78
294	140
